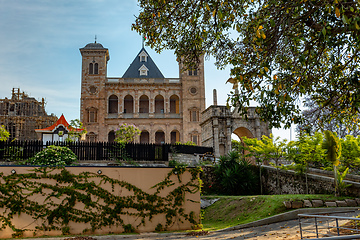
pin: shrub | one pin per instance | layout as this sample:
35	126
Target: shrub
53	156
236	176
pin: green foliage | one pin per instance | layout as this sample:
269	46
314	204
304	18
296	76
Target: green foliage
3	133
266	149
278	51
236	175
77	130
188	143
100	207
306	150
341	185
350	153
53	156
332	145
126	133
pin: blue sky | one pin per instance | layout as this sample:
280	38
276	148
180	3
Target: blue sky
40	41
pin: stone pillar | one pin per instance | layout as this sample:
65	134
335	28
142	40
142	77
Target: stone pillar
215	97
216	138
228	135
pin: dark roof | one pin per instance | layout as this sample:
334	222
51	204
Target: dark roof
133	70
93	46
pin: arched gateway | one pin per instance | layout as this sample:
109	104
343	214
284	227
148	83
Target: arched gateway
219	122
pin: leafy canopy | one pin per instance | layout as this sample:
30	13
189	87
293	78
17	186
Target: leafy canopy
3	133
279	51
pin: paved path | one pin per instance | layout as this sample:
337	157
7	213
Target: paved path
288	230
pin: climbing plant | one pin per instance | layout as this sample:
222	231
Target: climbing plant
101	207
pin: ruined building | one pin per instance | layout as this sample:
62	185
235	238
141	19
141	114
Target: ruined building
22	114
166	110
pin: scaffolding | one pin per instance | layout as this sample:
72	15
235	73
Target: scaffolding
22	114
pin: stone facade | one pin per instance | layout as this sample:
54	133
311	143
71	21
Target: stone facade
166	110
219	122
22	114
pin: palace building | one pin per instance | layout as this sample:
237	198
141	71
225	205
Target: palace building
166	110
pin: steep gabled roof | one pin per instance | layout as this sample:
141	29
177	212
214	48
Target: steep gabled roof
133	70
60	121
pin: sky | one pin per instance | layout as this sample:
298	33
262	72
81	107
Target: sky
39	50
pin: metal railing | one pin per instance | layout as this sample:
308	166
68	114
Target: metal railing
329	227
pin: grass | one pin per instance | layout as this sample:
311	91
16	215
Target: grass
235	210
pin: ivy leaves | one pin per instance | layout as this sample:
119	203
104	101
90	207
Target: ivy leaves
101	207
279	51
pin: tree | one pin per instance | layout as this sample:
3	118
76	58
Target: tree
3	133
279	51
306	150
314	119
126	133
267	149
77	130
350	153
332	145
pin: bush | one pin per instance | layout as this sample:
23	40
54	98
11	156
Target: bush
53	156
236	176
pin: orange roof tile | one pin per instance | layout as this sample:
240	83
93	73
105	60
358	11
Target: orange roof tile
60	121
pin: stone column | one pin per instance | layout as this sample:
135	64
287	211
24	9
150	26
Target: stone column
216	138
215	97
228	135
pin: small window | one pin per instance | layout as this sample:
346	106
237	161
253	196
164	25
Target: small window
193	72
96	68
194	115
194	136
143	58
92	89
91	68
92	112
91	137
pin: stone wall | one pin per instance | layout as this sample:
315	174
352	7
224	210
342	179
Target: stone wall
292	183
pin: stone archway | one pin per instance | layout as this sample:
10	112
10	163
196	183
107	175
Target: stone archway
219	122
243	132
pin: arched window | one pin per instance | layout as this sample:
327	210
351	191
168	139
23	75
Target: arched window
159	137
195	137
175	136
96	68
159	104
144	137
144	104
194	115
174	104
113	104
92	115
111	136
193	72
91	137
91	68
128	104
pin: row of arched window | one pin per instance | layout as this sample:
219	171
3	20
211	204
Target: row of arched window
144	106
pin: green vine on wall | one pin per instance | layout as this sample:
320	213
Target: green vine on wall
100	207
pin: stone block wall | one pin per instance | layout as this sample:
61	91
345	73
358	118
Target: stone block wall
292	183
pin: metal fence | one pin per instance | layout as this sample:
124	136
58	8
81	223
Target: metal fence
317	226
21	150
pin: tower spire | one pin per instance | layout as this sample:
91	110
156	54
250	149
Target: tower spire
95	38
